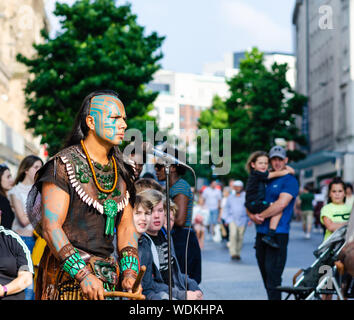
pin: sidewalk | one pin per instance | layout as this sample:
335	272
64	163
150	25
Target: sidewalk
225	279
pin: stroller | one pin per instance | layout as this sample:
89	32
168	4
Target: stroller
322	277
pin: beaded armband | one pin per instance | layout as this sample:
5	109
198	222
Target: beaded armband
129	262
72	263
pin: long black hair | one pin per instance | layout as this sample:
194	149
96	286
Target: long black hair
80	128
3	168
80	131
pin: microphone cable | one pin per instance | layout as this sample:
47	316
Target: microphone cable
188	234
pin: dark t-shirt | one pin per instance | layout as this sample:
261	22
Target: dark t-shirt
285	184
7	216
256	186
306	201
162	250
194	266
14	257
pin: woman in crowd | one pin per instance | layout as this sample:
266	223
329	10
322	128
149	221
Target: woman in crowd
222	218
18	197
181	194
200	220
6	183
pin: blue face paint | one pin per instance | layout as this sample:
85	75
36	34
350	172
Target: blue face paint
50	215
108	113
135	240
59	239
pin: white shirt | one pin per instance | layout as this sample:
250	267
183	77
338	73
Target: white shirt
20	192
202	211
318	197
212	197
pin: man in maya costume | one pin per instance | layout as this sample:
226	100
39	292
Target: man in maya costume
81	196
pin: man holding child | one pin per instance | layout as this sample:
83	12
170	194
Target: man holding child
281	193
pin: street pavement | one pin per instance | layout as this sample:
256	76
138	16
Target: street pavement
226	279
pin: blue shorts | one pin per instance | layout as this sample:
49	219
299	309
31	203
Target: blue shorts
213	218
29	241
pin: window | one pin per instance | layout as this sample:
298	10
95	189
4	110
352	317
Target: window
169	110
160	87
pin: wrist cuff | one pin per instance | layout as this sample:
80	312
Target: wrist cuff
129	262
73	264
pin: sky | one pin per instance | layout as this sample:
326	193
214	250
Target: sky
203	31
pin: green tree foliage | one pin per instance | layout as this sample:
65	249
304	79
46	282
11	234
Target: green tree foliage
216	117
101	46
261	107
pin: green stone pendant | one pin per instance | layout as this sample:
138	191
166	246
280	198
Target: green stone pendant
110	209
116	193
84	178
102	196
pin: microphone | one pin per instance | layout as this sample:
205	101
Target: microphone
165	157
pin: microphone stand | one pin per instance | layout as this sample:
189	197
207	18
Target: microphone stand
167	173
167	164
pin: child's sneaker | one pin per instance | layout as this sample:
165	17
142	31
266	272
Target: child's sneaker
269	240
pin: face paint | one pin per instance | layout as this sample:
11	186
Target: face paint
133	240
109	117
59	239
50	215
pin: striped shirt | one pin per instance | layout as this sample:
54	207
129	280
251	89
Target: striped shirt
161	245
183	187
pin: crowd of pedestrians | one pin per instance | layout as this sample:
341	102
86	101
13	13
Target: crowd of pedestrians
271	198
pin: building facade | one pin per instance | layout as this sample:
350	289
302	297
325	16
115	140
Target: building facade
229	67
20	25
182	96
324	56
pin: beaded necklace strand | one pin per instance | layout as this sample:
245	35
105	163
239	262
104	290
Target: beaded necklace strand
94	174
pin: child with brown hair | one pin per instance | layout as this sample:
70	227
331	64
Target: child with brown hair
153	253
257	166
